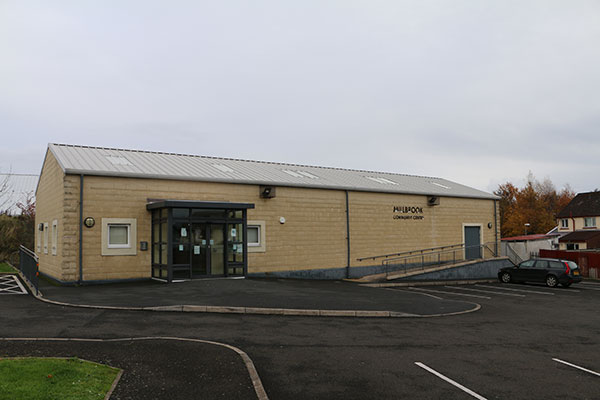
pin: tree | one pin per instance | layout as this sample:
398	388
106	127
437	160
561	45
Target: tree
536	204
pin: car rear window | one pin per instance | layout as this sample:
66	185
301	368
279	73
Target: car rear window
572	265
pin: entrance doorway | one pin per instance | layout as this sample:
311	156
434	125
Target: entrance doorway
198	239
208	249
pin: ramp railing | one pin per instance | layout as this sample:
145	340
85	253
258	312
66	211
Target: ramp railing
29	266
412	252
434	258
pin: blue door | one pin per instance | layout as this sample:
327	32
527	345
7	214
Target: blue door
472	242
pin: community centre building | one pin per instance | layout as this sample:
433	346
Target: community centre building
111	214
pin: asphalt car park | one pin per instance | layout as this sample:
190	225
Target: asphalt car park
506	350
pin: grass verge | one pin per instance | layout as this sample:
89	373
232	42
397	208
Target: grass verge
4	267
54	378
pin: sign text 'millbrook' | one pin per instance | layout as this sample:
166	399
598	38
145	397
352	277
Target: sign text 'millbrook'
410	210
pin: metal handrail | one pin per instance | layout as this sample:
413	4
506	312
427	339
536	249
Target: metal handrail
406	253
514	254
29	266
398	261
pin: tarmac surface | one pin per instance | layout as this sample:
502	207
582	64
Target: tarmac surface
262	293
506	350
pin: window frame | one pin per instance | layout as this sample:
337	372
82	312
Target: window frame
564	222
45	238
54	237
119	249
258	229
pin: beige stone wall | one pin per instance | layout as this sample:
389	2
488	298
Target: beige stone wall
312	237
375	231
49	201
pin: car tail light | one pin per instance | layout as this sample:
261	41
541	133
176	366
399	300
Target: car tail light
568	269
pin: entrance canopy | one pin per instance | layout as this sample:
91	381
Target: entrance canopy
196	239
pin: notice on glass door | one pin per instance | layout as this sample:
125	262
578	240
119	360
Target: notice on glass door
196	250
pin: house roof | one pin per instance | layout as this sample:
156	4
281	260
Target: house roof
582	205
18	188
525	238
580	236
146	164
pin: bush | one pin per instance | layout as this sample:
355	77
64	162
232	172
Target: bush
14	231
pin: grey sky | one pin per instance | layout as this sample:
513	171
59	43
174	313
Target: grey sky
478	92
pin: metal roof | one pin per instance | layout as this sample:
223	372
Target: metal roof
18	188
146	164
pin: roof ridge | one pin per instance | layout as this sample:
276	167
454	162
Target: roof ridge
246	160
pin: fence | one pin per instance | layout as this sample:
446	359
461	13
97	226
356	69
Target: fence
29	266
588	261
437	258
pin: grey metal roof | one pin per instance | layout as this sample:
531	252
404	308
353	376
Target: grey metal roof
145	164
18	188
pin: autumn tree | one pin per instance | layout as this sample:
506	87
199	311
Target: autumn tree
536	204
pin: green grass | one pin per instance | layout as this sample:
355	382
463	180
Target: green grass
54	378
4	267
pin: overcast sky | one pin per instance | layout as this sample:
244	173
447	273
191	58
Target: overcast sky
478	92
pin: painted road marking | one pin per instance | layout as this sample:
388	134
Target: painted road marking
485	291
516	290
577	366
450	381
590	288
563	290
590	283
10	284
452	293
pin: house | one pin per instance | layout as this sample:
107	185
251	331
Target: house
107	214
578	222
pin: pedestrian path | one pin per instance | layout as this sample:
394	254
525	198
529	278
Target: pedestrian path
10	284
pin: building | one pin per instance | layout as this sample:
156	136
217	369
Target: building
578	222
112	214
16	189
520	248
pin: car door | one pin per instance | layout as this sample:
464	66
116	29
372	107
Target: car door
540	271
523	271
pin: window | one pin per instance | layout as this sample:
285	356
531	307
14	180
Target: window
256	236
572	246
253	235
564	223
589	222
54	236
39	239
118	236
45	238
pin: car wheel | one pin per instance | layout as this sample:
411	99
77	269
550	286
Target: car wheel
505	277
566	284
551	281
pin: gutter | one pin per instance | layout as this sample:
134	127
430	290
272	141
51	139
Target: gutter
347	237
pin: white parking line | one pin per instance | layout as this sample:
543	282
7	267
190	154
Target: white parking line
452	293
590	283
577	366
485	291
516	290
450	381
563	290
590	288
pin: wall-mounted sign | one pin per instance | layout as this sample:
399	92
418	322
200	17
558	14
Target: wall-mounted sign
408	212
89	222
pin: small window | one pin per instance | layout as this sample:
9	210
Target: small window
54	236
572	246
39	239
118	236
589	222
564	223
254	235
45	238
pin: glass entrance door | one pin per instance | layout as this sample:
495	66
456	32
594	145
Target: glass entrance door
208	249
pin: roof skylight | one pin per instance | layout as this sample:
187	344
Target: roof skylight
300	174
383	181
118	160
440	185
222	168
